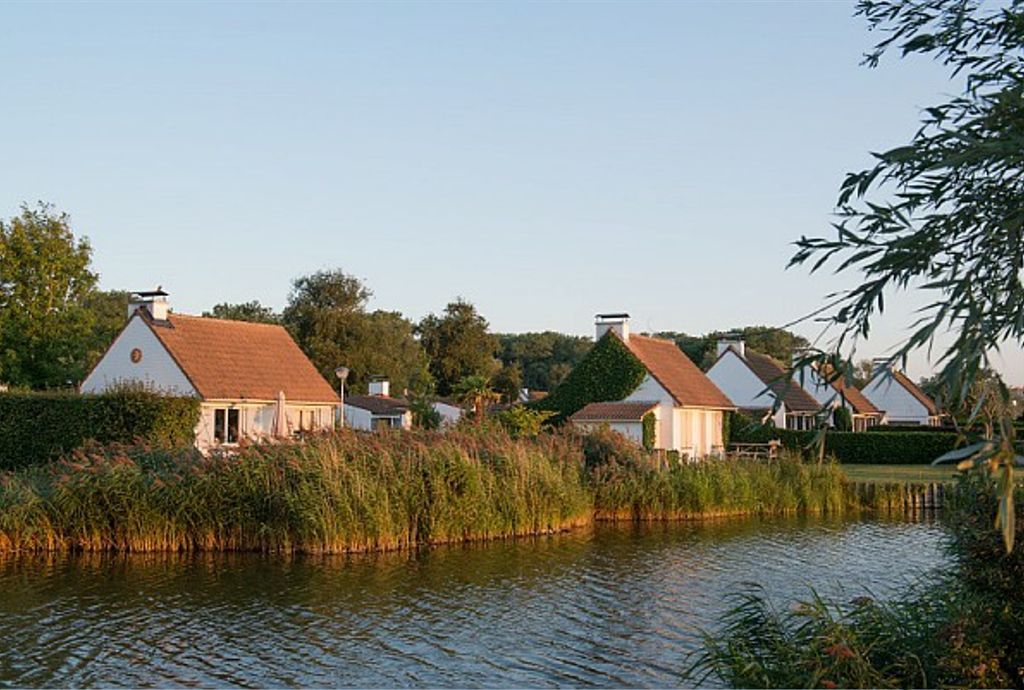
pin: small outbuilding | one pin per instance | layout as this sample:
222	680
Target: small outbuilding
378	410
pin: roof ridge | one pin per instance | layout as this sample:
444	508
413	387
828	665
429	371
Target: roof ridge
216	319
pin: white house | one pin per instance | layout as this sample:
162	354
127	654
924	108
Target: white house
755	382
450	412
253	380
838	393
689	409
378	410
903	401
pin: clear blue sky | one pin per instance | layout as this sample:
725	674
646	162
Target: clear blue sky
544	160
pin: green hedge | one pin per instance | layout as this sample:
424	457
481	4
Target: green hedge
898	429
608	372
38	427
881	448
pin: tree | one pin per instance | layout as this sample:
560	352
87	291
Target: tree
942	214
108	312
459	345
775	342
863	370
45	279
476	392
544	359
509	381
327	315
245	311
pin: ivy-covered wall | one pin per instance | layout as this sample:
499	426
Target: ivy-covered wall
608	372
650	430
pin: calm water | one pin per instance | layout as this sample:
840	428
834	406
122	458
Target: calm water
612	606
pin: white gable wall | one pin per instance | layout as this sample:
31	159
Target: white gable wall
742	386
156	370
899	404
650	390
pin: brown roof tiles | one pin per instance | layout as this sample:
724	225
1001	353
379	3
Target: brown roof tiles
232	360
625	411
773	375
683	380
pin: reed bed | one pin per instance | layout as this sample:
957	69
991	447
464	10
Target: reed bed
720	488
351	492
332	494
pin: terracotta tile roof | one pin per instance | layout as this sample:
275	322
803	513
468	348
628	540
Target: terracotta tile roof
626	411
855	398
233	360
916	391
683	380
380	405
773	375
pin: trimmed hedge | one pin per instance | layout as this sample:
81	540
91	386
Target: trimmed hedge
899	429
38	427
852	447
608	372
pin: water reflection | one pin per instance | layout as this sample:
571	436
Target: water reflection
616	605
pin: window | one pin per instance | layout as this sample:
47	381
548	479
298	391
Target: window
225	425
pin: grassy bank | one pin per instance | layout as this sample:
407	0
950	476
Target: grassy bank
885	474
353	492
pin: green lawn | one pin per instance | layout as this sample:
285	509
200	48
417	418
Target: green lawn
899	473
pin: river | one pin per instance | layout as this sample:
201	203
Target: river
613	605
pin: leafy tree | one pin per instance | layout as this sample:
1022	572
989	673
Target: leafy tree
863	370
521	421
458	344
943	213
508	382
424	416
45	278
776	342
108	310
327	315
544	359
244	311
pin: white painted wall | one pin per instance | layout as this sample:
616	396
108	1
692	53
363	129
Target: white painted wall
634	431
813	383
650	389
358	418
156	370
700	431
256	420
900	406
450	414
743	387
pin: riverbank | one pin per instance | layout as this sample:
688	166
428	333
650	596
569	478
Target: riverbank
349	492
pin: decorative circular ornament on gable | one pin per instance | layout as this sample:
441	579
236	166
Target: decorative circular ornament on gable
136	355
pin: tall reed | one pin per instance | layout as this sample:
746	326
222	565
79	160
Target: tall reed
332	494
361	492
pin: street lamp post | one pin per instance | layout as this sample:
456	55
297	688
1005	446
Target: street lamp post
342	374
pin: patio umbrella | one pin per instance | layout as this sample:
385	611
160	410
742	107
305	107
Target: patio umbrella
280	428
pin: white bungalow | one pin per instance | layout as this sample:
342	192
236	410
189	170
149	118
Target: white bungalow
689	409
378	410
903	401
839	393
245	374
755	382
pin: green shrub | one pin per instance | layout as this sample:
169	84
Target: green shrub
649	422
892	448
842	419
39	427
608	372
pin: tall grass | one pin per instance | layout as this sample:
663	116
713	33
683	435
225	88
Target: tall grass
357	492
332	494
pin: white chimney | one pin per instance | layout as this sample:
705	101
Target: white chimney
153	301
379	386
737	345
619	323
